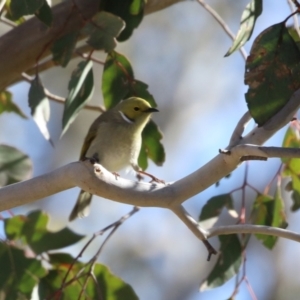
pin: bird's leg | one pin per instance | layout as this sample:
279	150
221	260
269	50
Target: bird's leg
139	176
116	175
153	178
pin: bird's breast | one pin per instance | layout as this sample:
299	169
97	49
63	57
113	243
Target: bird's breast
115	147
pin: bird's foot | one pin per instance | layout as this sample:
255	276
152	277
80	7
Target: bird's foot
116	175
153	178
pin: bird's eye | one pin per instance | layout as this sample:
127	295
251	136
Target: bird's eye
136	108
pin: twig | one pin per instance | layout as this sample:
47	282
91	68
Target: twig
239	129
222	23
253	229
115	226
62	100
291	4
188	220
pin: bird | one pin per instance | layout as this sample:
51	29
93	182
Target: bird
114	140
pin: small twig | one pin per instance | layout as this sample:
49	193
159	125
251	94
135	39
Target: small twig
188	220
222	23
296	3
115	226
253	157
296	23
239	129
87	56
253	229
261	152
62	100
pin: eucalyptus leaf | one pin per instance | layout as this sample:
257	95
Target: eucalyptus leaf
40	107
81	86
15	166
272	72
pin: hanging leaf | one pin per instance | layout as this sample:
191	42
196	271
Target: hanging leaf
15	166
40	107
151	146
140	89
7	105
131	11
292	167
117	79
81	86
19	8
63	48
44	13
103	30
228	263
272	72
214	206
249	17
269	211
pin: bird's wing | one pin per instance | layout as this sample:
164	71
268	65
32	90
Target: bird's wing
87	141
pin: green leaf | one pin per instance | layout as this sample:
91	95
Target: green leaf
214	206
116	80
110	286
269	211
136	7
249	16
81	86
292	167
140	89
7	105
19	8
227	265
63	48
272	72
151	146
103	30
131	11
15	166
57	259
44	13
40	107
32	231
296	199
21	273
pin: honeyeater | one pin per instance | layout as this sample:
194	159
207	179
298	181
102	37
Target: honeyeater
114	140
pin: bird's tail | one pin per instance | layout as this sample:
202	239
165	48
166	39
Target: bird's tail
82	206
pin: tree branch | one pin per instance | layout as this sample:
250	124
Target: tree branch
22	47
97	180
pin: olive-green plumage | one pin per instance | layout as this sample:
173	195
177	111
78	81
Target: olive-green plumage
115	140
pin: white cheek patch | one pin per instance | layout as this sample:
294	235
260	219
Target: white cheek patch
126	118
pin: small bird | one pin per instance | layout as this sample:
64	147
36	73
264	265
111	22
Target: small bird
114	140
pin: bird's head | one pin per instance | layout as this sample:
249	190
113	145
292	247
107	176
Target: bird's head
135	110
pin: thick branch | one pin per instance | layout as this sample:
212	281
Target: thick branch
23	46
171	196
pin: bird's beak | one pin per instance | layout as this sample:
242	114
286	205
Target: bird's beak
151	110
